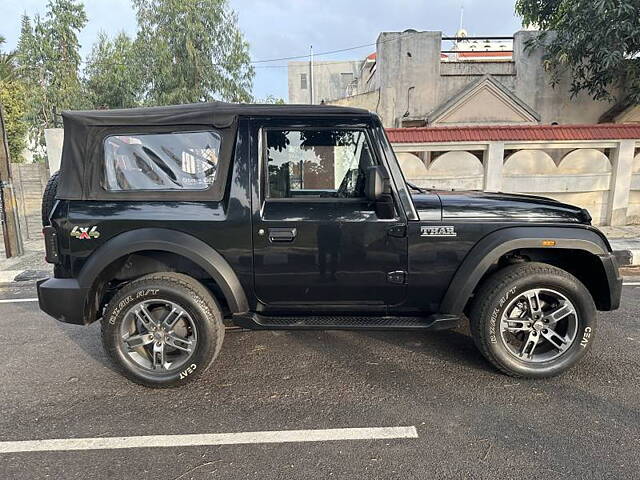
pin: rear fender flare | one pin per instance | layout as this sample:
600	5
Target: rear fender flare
168	241
489	250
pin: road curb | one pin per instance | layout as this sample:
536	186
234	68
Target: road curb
627	258
22	276
8	276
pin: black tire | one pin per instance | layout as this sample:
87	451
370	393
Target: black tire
497	296
199	307
49	197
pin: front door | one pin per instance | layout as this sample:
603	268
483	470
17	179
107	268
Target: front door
318	242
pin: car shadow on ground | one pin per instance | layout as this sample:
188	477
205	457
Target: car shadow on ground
452	349
88	338
454	346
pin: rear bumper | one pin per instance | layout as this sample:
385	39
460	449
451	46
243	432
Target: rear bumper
614	281
63	299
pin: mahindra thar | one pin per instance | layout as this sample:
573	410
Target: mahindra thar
167	223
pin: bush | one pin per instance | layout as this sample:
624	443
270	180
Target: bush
12	100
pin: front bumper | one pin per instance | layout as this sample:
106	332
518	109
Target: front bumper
64	299
614	281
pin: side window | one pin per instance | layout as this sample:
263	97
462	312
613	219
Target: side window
323	163
161	161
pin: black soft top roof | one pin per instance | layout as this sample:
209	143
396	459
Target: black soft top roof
214	113
84	132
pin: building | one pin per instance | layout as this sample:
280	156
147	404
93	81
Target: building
424	79
493	120
332	79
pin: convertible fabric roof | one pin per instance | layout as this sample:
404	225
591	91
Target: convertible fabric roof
84	131
220	114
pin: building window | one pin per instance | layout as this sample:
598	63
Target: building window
303	81
345	80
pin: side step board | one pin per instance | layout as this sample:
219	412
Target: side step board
257	321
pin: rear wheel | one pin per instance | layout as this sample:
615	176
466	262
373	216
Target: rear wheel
533	320
163	330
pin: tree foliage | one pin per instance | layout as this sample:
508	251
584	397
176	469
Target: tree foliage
193	51
48	57
12	101
184	51
270	99
7	63
113	73
596	41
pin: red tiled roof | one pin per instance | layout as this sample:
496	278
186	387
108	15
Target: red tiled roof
603	131
372	56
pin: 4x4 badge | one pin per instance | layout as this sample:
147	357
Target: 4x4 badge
85	233
438	231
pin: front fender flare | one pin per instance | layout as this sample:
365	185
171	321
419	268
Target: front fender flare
173	241
489	250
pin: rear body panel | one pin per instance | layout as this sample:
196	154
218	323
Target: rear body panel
224	225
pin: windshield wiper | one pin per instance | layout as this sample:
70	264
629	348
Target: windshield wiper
416	188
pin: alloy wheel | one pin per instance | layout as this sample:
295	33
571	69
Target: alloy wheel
158	336
539	325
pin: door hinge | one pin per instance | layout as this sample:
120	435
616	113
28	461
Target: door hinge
399	231
399	277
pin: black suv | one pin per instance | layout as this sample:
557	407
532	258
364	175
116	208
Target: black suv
166	223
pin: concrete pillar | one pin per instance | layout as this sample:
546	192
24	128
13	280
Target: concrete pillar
54	138
493	162
622	163
425	156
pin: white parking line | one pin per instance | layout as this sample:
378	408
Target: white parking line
18	300
631	284
283	436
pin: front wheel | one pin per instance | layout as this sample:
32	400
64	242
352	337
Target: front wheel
163	330
533	320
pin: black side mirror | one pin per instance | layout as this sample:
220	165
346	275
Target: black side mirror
377	183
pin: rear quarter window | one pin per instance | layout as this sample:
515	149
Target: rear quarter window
161	161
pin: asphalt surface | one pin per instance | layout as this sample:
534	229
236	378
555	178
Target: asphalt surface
472	421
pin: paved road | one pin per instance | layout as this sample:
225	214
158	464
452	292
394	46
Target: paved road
471	421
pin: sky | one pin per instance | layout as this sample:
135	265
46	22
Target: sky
285	28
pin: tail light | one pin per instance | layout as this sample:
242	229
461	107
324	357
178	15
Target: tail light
51	245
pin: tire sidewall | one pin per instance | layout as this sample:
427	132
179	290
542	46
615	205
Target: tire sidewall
585	335
196	307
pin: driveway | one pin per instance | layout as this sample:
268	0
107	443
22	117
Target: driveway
445	411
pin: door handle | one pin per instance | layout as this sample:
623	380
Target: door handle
282	235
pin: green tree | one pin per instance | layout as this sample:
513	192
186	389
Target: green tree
64	20
193	51
113	73
12	101
48	57
270	99
596	41
7	63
